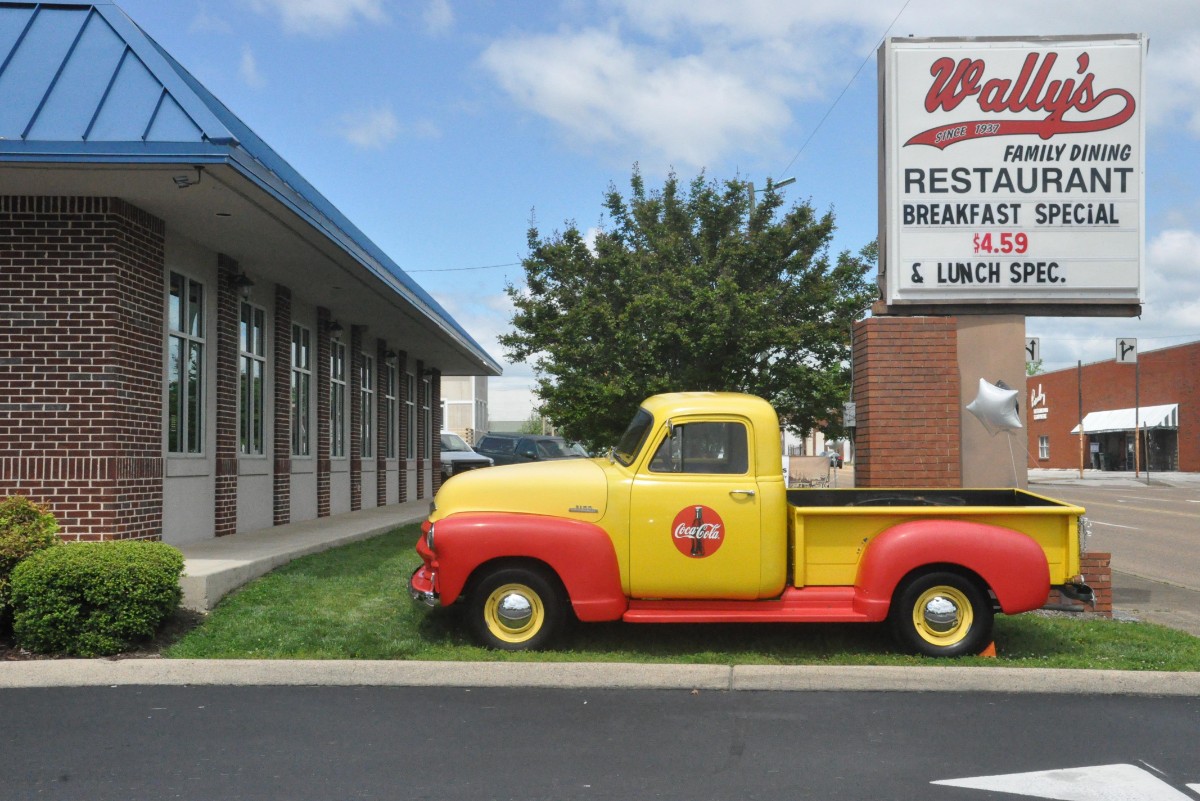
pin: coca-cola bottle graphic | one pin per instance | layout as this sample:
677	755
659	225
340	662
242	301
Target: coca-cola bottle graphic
697	528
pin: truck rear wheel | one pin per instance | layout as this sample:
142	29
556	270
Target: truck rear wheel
942	614
516	608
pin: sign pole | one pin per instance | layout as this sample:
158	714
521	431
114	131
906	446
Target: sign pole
1137	419
1079	381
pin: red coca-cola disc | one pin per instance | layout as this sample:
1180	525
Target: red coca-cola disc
697	531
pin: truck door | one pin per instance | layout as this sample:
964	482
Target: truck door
695	526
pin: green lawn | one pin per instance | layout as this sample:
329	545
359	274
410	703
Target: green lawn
352	603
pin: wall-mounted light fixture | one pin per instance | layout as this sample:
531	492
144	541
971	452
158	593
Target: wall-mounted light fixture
335	329
242	283
184	181
391	355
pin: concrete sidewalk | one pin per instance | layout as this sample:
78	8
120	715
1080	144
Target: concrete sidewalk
213	568
587	675
1112	478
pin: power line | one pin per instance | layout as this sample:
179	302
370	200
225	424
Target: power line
461	269
845	89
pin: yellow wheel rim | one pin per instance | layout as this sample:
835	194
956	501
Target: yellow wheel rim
943	615
514	613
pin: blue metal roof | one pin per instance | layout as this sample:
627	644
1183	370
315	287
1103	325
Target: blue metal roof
81	82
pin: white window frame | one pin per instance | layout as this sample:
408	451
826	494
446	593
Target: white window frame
337	400
186	331
410	413
252	379
391	415
366	406
301	391
427	408
1043	447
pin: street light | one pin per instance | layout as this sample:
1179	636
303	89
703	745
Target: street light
784	182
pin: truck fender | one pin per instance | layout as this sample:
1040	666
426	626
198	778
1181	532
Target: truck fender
1010	563
579	552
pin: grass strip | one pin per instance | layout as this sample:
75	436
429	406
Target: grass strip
352	603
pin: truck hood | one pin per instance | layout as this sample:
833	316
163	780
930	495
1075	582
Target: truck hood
570	488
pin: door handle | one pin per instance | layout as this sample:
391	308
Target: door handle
747	493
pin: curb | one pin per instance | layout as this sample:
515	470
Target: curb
580	675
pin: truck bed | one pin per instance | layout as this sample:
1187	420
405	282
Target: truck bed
1004	498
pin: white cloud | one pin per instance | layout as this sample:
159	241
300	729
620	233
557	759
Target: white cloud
601	89
322	16
438	16
694	81
370	130
250	71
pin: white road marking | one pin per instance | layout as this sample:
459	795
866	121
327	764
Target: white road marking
1096	783
1114	525
1195	788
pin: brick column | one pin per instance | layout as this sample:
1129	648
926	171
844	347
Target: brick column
81	363
354	387
282	483
435	408
381	429
321	373
225	499
1096	567
906	387
420	377
403	433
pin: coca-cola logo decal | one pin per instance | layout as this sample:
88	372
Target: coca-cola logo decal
697	531
1032	90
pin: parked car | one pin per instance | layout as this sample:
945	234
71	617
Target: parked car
506	448
835	458
458	456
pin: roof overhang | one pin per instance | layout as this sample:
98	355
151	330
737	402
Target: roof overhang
1114	420
92	106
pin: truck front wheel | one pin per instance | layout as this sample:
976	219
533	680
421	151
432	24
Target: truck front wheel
516	608
942	614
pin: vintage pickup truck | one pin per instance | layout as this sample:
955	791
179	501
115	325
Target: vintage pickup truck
688	521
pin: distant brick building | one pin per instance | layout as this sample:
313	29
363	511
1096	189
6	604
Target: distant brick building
193	340
1168	396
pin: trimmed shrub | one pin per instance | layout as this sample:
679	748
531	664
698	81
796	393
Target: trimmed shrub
25	528
94	598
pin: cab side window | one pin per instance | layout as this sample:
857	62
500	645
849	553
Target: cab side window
717	448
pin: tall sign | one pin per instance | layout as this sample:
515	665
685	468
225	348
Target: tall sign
1013	175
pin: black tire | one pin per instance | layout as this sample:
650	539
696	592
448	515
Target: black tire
942	614
516	608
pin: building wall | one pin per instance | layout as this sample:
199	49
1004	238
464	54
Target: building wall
1169	375
84	291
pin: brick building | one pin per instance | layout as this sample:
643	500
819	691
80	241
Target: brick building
1167	394
193	341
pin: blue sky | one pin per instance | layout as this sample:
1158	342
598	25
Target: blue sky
443	127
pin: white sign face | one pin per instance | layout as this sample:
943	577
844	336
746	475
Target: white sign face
1126	351
1014	170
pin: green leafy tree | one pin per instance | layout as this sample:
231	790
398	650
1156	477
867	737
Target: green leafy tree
1033	368
689	288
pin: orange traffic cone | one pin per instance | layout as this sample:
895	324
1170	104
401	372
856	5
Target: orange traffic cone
990	651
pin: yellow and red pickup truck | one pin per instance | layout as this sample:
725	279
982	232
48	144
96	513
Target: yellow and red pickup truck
688	520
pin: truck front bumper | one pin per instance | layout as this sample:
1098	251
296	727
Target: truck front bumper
421	586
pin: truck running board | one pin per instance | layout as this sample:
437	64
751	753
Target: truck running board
796	605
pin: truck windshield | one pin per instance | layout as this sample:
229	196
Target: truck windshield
631	441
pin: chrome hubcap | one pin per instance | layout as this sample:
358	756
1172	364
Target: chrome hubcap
514	611
940	614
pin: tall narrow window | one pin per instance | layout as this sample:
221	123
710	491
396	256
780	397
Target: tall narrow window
410	416
391	410
301	387
1043	447
427	413
366	395
185	366
252	363
337	400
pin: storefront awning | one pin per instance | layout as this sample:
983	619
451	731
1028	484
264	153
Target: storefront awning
1165	416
